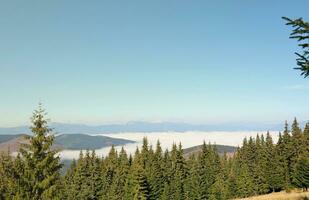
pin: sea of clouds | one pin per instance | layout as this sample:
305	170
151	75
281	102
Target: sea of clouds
187	139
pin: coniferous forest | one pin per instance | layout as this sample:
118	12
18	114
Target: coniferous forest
259	166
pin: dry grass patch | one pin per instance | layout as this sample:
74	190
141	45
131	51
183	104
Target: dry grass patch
296	195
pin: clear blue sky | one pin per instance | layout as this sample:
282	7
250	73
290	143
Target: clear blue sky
116	61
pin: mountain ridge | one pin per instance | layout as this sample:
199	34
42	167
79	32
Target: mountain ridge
140	126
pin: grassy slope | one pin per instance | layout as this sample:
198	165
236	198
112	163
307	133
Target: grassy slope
281	196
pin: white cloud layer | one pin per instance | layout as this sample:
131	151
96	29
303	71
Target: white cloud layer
187	139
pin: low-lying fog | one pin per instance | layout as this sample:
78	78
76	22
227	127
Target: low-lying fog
187	139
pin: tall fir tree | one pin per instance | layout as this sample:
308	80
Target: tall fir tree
69	182
305	143
285	150
301	173
273	171
41	163
297	139
156	173
260	164
244	181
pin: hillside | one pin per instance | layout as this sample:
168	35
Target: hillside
81	141
5	138
220	149
71	142
281	196
14	144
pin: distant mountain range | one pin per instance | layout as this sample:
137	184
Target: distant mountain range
63	128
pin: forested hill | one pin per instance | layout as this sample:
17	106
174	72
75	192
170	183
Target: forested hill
221	149
64	141
5	138
82	141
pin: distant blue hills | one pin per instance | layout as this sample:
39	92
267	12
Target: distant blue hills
62	128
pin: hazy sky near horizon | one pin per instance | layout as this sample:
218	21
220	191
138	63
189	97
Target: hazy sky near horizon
116	61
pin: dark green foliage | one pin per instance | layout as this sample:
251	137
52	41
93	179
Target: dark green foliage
297	139
305	143
300	32
273	171
285	151
35	172
240	180
84	179
40	175
178	173
141	187
7	187
301	174
244	182
219	190
259	168
69	182
122	171
156	173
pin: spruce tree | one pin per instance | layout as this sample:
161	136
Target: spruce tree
192	187
260	164
75	178
244	182
285	150
305	143
110	173
156	173
220	189
232	177
129	186
142	187
180	174
96	185
41	163
301	173
84	172
297	139
273	171
167	172
121	176
69	182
